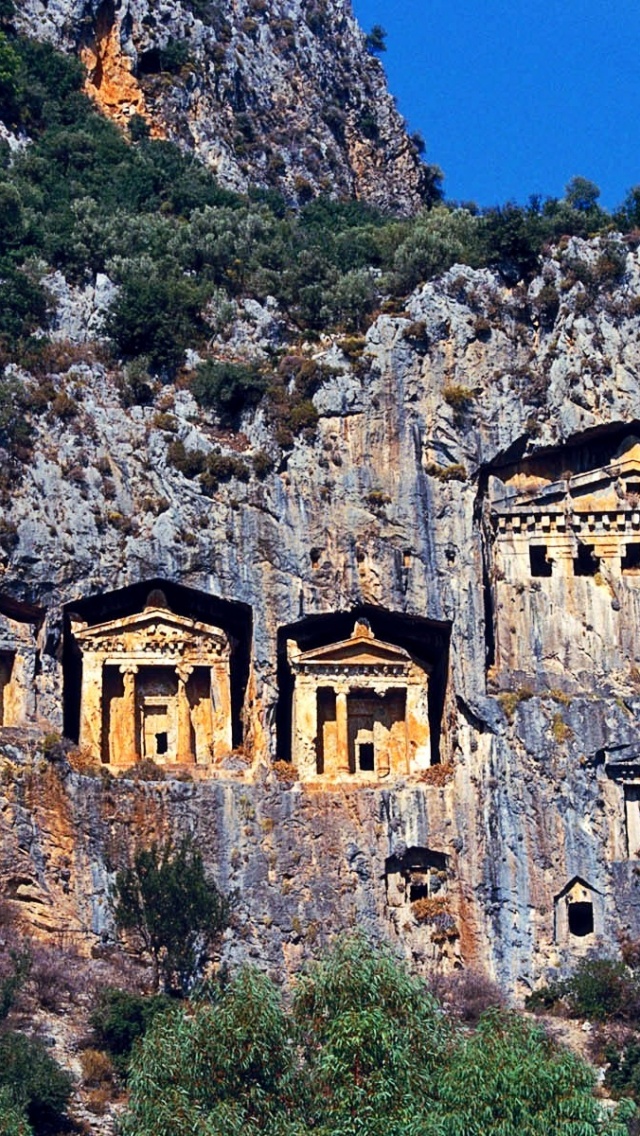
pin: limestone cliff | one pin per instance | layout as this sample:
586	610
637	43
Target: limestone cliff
282	95
472	490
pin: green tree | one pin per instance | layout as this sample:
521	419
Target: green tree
227	387
11	79
120	1018
364	1050
165	901
627	216
226	1067
374	1040
582	194
7	12
157	314
511	242
13	1121
24	304
32	1080
375	39
438	238
510	1079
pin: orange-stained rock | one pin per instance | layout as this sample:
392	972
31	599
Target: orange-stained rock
110	79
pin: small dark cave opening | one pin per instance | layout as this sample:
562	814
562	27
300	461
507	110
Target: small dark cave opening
580	918
427	641
232	617
149	62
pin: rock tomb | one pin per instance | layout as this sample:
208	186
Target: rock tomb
155	685
359	709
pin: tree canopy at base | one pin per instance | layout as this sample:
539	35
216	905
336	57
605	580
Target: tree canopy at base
363	1050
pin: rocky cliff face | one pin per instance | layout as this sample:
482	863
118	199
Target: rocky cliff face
478	417
282	95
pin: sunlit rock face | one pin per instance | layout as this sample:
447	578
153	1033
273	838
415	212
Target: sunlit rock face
282	95
469	501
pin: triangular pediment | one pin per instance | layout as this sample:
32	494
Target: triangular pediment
156	620
356	652
577	883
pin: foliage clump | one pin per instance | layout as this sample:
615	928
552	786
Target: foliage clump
362	1048
174	913
228	388
120	1018
34	1089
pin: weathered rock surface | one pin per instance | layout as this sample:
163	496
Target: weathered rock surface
387	511
283	95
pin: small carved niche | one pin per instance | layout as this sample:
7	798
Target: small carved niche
420	873
579	913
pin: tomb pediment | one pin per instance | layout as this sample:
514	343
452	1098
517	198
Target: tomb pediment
154	632
362	650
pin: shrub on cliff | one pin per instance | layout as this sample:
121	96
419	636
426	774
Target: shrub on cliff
156	315
11	78
120	1018
15	432
165	902
600	989
13	1121
228	388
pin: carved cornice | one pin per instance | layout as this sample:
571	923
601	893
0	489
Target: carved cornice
157	642
540	523
350	672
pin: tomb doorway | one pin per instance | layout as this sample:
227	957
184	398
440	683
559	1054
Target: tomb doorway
6	670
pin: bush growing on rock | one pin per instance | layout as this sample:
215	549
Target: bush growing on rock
228	388
174	913
33	1082
120	1018
158	316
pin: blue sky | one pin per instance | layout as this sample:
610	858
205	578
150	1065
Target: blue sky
515	98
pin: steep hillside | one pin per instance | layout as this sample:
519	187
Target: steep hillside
324	521
281	94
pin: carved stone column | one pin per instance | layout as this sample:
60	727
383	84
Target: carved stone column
91	703
342	730
221	699
185	754
126	750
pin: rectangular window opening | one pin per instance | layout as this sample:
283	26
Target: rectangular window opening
580	919
586	563
631	561
366	757
540	566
